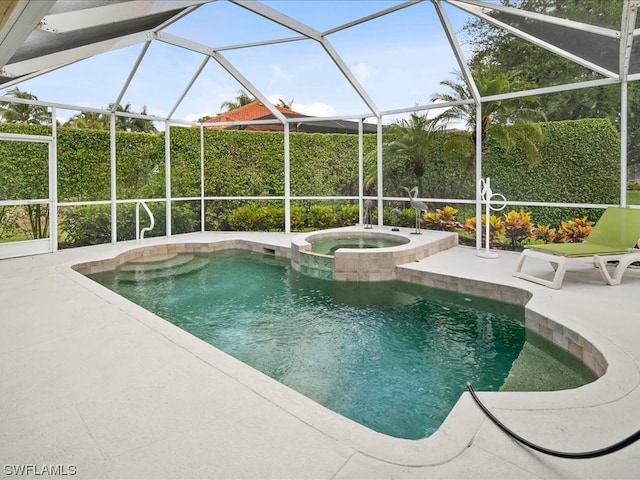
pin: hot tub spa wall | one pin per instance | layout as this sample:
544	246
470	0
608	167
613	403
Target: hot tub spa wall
361	265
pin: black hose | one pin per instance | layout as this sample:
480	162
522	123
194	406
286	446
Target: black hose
593	454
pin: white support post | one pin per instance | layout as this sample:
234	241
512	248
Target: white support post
112	151
202	215
167	176
623	142
287	181
478	176
53	182
360	172
380	181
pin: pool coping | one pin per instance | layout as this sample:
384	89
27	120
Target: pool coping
563	420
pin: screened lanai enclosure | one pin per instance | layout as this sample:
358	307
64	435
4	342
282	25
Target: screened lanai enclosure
155	72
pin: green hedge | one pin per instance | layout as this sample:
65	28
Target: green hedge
580	163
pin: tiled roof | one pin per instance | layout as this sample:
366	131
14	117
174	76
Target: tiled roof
250	111
257	111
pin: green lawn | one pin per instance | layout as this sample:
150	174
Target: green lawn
633	197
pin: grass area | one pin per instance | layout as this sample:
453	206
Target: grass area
633	197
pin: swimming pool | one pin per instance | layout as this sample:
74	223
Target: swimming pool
390	355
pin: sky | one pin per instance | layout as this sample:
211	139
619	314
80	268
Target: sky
399	59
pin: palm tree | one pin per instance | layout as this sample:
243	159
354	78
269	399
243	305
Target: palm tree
92	120
509	122
284	104
140	124
411	144
100	121
22	112
131	124
242	98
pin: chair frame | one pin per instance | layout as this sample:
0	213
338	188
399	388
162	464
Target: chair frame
560	261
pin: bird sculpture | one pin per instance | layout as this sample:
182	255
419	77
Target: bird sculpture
419	207
368	210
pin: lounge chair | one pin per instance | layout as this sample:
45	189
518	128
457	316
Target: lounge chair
613	238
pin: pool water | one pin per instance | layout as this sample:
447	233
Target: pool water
328	246
392	356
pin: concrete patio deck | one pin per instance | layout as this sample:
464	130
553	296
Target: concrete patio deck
105	389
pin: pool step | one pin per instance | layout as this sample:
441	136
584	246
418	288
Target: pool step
158	262
165	268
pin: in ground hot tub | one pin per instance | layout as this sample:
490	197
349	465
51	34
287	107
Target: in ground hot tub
355	254
328	244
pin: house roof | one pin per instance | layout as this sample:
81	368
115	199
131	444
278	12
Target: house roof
251	111
257	111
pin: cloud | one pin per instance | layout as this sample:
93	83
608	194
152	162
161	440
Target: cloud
193	117
316	109
278	73
275	98
362	72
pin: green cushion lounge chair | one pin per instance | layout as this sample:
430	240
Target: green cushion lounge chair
613	238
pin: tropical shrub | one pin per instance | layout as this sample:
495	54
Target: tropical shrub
575	231
298	215
404	217
544	233
348	214
442	219
322	216
495	227
86	225
254	217
517	226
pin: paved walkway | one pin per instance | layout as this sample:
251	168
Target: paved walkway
97	386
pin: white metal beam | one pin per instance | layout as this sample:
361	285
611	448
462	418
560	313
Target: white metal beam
380	170
480	12
373	16
563	22
288	22
167	178
455	46
67	57
629	13
184	43
279	18
224	63
134	69
21	21
349	76
287	180
53	182
188	87
235	73
274	41
110	13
